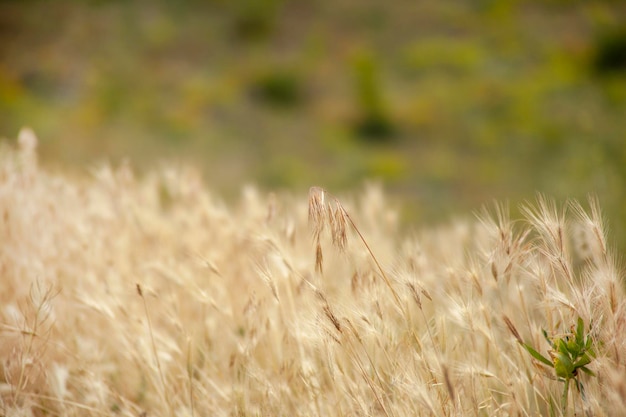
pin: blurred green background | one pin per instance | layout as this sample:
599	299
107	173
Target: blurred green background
450	104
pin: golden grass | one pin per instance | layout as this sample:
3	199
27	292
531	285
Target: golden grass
129	297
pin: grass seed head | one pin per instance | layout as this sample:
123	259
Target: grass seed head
317	210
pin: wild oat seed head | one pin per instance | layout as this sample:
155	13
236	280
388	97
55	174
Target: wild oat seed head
512	329
317	209
338	223
319	258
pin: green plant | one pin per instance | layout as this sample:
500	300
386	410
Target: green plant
280	88
374	122
569	354
255	20
609	53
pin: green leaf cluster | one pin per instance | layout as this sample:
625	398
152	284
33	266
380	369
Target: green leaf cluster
569	354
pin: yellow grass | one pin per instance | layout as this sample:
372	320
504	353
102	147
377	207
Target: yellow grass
149	297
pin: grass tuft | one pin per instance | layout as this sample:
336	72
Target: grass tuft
241	314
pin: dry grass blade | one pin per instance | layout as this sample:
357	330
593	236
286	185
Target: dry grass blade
448	382
163	388
333	319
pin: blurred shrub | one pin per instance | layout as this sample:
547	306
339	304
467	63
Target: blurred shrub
374	127
609	52
280	88
254	19
373	121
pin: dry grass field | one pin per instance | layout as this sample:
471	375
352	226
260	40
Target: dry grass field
127	296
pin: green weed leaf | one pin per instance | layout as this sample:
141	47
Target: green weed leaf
563	365
569	353
587	371
580	332
538	355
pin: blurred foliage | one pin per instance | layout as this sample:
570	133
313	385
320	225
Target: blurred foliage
450	104
373	122
254	19
278	88
609	54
